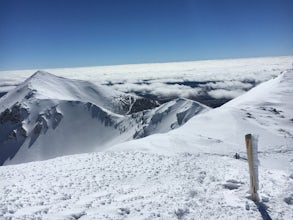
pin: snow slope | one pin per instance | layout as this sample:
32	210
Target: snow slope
166	117
266	110
187	173
49	116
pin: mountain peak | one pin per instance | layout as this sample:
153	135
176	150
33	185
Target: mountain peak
46	86
41	74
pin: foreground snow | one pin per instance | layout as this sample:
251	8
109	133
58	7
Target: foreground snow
137	185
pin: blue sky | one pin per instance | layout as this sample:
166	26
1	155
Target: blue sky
68	33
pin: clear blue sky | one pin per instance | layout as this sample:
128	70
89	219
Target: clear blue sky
68	33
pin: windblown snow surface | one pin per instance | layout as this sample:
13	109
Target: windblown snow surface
187	173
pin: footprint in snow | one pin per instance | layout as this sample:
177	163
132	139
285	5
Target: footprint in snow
232	184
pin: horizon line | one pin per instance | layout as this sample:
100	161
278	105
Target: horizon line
158	62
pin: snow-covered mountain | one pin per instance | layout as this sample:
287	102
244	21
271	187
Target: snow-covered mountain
187	173
45	86
48	116
266	110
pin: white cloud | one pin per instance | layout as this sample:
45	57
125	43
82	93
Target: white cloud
158	89
175	90
223	93
230	84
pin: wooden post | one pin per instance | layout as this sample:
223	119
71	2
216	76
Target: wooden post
251	147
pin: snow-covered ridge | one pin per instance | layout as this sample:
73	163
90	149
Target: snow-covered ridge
48	116
46	86
266	110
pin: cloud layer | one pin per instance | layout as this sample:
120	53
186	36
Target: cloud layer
217	78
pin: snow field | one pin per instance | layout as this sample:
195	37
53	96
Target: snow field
137	185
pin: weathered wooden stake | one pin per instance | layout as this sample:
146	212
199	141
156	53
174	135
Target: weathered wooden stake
251	147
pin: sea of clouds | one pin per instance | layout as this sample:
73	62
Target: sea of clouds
217	79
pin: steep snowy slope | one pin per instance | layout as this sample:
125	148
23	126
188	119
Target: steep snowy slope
166	117
48	116
266	110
